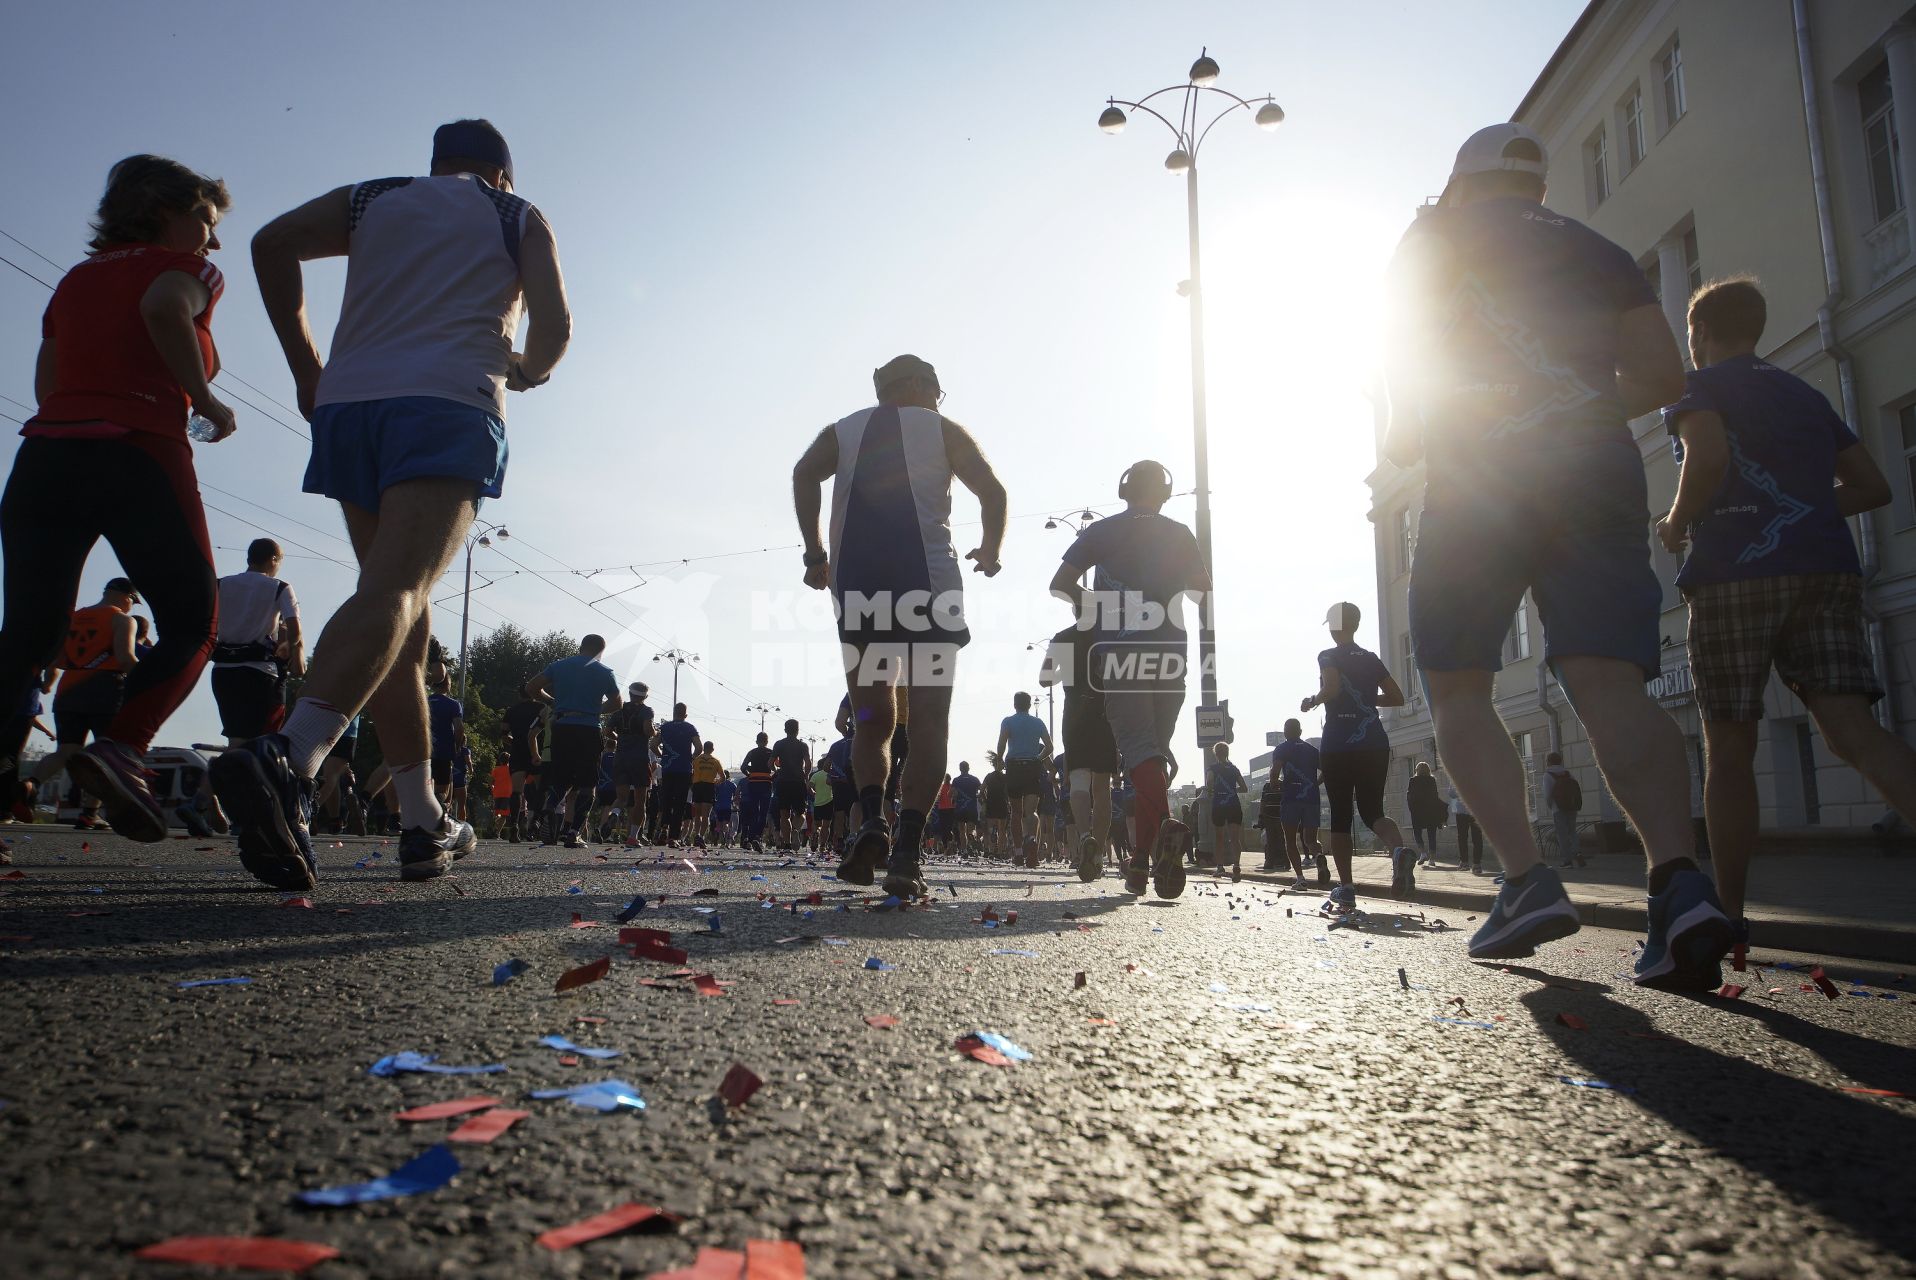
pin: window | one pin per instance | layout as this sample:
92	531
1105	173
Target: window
1670	71
1405	543
1406	665
1517	643
1906	419
1634	147
1525	741
1692	260
1596	166
1881	146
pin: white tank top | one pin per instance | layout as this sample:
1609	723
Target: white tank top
432	293
891	506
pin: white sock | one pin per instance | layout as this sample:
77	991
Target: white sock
418	806
310	732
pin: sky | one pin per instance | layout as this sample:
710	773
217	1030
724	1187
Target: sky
758	204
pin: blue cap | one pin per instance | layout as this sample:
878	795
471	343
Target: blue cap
472	140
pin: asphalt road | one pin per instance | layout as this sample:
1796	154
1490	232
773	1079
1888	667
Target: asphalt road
1312	1117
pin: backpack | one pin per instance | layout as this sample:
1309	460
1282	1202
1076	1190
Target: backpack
1567	795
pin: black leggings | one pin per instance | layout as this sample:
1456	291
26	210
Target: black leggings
1426	838
138	492
1469	834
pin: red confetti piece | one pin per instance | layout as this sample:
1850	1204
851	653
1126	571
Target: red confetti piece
623	1218
814	899
484	1128
585	973
445	1110
1011	917
656	982
660	952
739	1085
635	937
252	1253
1823	983
1078	980
1730	991
456	889
774	1260
1877	1093
17	874
568	1061
86	846
1100	1022
304	903
785	1003
711	1264
707	985
589	1019
880	1020
973	1047
1572	1021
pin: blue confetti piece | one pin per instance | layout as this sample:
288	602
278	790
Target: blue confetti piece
428	1171
215	982
891	903
632	908
1004	1046
760	878
991	924
601	1095
838	942
772	906
1251	1008
508	971
712	925
823	876
394	1064
873	962
1596	1084
1464	1022
806	915
575	889
1014	951
564	1045
96	889
1220	988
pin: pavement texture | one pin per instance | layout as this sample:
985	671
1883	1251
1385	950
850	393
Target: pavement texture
1235	1089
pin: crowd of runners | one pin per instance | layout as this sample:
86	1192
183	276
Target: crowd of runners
1519	344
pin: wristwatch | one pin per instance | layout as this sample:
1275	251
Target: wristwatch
815	558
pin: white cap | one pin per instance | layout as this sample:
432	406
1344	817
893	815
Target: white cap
1490	150
1343	616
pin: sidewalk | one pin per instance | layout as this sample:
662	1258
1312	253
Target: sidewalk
1859	906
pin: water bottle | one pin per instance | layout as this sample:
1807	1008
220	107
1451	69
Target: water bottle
201	428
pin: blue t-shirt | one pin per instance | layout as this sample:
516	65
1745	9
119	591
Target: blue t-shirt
1350	717
1026	736
1297	763
442	712
605	791
1225	780
964	790
679	742
1508	326
1775	512
580	686
838	761
724	795
1142	563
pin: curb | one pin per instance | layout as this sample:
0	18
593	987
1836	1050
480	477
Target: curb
1849	940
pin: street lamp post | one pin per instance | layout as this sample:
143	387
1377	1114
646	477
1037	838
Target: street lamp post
678	658
764	709
480	536
1190	130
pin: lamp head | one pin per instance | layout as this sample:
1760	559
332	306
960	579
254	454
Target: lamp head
1178	161
1050	524
501	531
1111	120
1204	70
484	541
1269	116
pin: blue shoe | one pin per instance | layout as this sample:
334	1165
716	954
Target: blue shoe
271	809
1342	901
1689	936
1403	872
189	816
1525	917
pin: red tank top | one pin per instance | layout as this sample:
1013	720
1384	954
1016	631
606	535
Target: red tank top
89	644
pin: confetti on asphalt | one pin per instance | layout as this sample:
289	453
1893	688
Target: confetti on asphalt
882	1021
873	962
1575	1023
212	982
1823	983
1078	980
774	1260
425	1063
632	909
428	1171
973	1047
445	1110
508	971
600	1095
566	1046
1219	988
1403	979
786	1002
739	1085
246	1253
580	922
582	975
707	985
1002	1045
486	1127
711	1264
1014	951
1464	1022
1596	1084
304	903
1730	991
624	1218
1877	1093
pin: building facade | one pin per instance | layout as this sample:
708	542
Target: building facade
1714	138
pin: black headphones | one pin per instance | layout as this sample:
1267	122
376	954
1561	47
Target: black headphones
1144	485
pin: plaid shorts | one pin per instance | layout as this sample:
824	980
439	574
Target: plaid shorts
1808	625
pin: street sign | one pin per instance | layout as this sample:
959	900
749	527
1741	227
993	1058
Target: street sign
1214	723
1272	737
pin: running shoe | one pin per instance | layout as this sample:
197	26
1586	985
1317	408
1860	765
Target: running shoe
1299	884
1137	877
1525	916
867	852
1167	870
1090	858
121	781
1689	936
271	809
1341	902
427	854
1031	851
1403	872
1739	940
24	795
195	825
87	822
568	840
905	877
1237	872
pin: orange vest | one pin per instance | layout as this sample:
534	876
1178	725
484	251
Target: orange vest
89	644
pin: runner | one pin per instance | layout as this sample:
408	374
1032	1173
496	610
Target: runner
1353	683
822	812
408	435
997	807
1427	811
1523	344
632	765
25	720
965	789
706	772
724	804
446	731
1772	578
1144	563
791	786
93	666
1024	744
757	769
1088	742
838	769
337	794
679	747
523	757
604	791
1299	765
583	692
461	774
126	352
258	648
502	798
892	468
944	823
1226	784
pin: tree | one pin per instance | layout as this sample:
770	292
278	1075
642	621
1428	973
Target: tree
501	661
